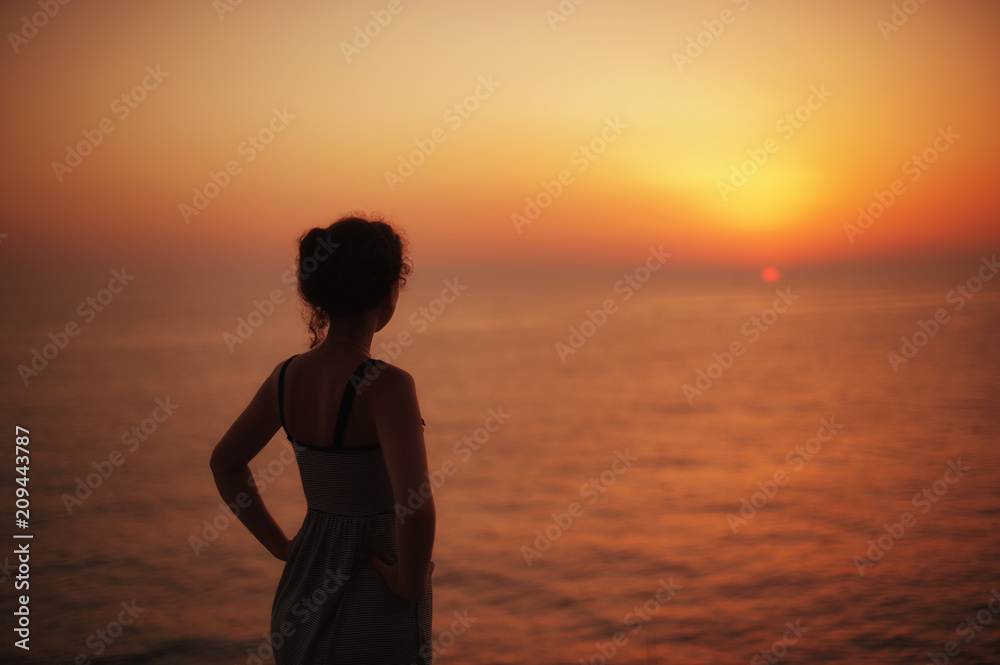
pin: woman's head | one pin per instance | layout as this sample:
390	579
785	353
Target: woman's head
350	268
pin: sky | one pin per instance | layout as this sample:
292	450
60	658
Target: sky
732	132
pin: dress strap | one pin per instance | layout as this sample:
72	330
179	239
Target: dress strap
281	395
353	387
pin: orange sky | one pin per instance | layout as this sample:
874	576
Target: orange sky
673	128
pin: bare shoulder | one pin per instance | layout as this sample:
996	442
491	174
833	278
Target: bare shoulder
271	382
393	393
386	380
268	392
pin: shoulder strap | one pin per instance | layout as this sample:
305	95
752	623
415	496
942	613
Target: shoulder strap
281	394
353	387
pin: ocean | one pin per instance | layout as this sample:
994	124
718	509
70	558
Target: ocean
629	466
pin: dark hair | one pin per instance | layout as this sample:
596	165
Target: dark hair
348	268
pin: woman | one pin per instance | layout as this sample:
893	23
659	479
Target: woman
356	586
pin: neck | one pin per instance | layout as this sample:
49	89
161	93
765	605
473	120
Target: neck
356	335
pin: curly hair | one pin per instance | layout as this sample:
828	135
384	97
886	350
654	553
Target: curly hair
348	268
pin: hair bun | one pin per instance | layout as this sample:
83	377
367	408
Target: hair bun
349	268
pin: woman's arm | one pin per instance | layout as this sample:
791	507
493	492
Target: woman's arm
230	462
400	433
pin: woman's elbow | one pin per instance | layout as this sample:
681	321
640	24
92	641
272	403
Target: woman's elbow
220	463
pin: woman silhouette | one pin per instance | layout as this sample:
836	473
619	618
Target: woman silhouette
356	586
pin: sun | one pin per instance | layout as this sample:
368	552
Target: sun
770	275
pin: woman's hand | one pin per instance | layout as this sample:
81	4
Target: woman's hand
286	550
391	576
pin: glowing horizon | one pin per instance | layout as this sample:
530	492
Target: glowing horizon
739	134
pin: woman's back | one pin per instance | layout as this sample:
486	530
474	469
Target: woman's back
331	604
314	387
